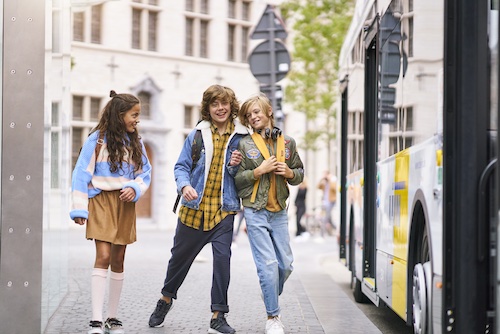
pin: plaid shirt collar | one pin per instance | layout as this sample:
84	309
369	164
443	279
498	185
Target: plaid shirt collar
229	128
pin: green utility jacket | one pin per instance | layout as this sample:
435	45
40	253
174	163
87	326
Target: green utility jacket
252	158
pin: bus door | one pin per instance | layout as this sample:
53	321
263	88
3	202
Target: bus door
370	161
467	143
343	170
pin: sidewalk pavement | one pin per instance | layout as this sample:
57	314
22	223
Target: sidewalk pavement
311	302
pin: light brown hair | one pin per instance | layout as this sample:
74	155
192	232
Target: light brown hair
218	92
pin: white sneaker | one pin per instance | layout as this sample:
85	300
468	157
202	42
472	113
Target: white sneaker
113	326
275	326
302	237
95	327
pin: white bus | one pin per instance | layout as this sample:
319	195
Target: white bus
418	124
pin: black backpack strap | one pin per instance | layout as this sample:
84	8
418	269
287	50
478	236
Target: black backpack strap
195	156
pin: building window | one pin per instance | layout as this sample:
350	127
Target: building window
408	29
78	108
152	27
245	31
239	23
231	9
96	24
204	6
95	108
55	135
136	29
189	36
54	159
191	116
203	38
401	135
355	139
245	10
230	42
358	51
145	99
197	28
78	26
145	25
86	111
87	25
56	30
76	143
149	94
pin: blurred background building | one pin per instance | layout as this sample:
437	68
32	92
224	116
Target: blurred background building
166	53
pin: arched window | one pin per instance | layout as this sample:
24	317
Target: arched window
149	94
145	99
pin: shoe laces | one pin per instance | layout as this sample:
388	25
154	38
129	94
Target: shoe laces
95	323
113	323
163	307
221	318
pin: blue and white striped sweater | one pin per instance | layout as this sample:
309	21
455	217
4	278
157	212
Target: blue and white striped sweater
90	178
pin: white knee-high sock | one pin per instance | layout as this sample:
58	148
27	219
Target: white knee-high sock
115	290
98	285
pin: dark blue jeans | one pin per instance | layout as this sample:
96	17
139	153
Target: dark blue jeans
188	242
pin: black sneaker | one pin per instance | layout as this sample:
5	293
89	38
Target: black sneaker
219	325
95	327
158	316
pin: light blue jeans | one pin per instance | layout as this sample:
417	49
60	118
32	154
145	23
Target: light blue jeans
270	244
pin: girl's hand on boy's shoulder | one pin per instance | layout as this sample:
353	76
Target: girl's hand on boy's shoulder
127	194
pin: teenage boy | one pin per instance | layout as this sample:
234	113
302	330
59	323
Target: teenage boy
270	162
209	203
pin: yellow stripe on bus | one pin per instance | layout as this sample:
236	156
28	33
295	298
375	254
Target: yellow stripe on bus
400	229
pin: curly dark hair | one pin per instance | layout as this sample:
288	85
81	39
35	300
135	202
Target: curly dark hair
118	139
218	92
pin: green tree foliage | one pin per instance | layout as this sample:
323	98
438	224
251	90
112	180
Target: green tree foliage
318	28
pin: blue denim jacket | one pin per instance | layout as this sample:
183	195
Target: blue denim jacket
198	176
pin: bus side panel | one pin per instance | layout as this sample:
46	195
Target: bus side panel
392	231
401	177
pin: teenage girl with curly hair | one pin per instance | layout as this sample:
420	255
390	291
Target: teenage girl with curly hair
111	174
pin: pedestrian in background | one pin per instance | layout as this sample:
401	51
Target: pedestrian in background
110	175
300	206
270	162
328	185
209	204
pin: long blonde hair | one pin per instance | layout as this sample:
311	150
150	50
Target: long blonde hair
264	104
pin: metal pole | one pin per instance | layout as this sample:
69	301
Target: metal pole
21	164
272	53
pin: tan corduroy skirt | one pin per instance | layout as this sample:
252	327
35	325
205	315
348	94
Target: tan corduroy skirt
111	219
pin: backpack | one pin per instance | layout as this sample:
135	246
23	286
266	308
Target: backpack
195	156
100	141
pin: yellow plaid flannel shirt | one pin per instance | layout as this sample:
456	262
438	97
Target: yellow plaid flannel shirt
211	203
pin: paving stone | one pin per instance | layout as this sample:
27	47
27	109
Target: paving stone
309	303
